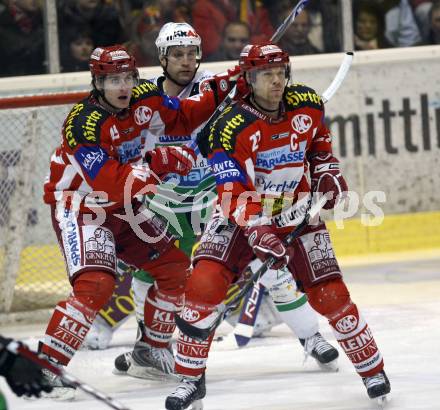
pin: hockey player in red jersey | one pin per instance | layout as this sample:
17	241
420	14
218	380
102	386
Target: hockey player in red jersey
95	176
261	150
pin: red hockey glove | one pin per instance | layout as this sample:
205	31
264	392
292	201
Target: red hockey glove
265	243
327	179
177	160
222	83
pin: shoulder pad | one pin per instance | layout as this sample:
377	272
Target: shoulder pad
143	90
299	95
223	133
83	123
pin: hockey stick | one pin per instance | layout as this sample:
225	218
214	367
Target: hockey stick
223	309
67	378
339	77
247	318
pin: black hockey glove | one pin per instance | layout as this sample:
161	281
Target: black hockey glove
23	376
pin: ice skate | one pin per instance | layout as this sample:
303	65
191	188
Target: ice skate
122	363
378	387
148	362
61	391
190	391
322	351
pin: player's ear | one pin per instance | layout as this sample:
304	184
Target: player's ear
163	61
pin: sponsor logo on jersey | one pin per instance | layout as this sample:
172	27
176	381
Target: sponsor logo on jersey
301	123
195	177
70	138
130	149
144	88
227	132
91	159
295	98
226	169
142	115
264	184
171	139
71	239
279	156
99	247
89	128
279	136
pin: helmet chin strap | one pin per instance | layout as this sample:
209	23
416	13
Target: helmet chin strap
167	74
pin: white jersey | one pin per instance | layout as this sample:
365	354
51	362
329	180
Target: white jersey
192	192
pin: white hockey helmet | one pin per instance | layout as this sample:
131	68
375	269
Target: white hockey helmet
178	34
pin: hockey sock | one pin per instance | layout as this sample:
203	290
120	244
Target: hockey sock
356	339
159	317
192	354
299	316
292	306
66	330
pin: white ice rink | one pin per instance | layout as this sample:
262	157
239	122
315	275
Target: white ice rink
400	300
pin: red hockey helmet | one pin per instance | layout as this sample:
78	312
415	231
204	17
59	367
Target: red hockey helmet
264	55
110	60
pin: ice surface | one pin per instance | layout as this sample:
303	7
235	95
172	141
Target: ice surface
401	302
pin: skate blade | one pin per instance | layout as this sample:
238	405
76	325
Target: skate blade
331	367
118	372
382	401
197	405
150	373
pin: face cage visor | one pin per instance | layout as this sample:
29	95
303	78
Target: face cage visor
253	72
116	81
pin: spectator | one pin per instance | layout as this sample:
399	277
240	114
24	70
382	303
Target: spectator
236	35
369	27
296	40
101	18
434	33
256	15
147	27
75	55
401	29
21	38
422	9
141	45
209	20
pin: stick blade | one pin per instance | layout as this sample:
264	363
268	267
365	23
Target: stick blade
192	331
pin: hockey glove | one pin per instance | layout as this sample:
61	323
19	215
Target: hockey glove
23	376
265	243
164	160
221	84
326	178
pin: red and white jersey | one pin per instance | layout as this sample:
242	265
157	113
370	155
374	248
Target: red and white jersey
260	164
102	153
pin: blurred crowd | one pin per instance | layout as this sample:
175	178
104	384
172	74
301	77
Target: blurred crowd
224	25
